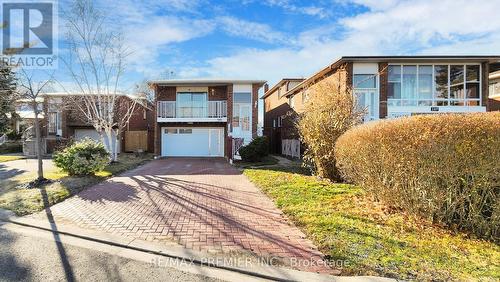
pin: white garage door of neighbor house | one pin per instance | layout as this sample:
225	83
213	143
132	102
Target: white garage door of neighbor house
192	142
81	134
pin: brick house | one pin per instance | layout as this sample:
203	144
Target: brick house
276	107
60	122
391	87
204	117
494	90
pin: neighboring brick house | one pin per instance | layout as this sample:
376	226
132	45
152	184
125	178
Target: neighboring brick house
395	86
204	117
494	101
60	122
278	118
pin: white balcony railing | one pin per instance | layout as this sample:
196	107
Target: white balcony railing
209	109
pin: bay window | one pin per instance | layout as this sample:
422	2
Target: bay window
434	85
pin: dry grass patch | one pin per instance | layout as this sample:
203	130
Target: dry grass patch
26	201
372	238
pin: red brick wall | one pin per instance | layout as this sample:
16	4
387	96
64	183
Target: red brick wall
217	93
165	93
229	147
382	68
485	80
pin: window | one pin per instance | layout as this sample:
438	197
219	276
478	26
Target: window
434	85
171	131
242	103
185	131
457	85
52	122
472	85
425	85
279	121
274	123
291	101
394	82
242	98
304	97
441	80
361	81
190	105
236	115
495	89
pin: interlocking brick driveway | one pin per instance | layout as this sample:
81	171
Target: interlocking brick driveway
203	204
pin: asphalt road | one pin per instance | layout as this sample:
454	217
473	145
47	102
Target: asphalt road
27	258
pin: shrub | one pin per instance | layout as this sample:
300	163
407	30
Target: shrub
329	112
82	158
444	167
11	147
256	150
13	135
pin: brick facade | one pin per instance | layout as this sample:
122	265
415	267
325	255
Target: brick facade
383	74
215	93
72	119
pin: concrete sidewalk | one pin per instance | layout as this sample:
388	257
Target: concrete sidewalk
164	255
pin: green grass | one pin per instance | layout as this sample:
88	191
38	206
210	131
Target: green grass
26	201
371	238
267	160
8	158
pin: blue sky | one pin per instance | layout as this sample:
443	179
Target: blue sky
272	39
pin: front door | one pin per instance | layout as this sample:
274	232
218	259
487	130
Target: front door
242	121
368	100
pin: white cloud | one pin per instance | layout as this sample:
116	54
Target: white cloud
251	30
292	8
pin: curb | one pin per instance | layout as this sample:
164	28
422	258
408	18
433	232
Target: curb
170	251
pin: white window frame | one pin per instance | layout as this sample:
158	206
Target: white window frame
376	99
399	102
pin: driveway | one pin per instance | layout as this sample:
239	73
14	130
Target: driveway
25	166
203	204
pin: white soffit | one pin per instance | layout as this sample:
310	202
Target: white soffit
237	88
365	68
191	89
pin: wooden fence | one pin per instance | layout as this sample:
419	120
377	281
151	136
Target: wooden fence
136	141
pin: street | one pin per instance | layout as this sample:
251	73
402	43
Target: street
34	258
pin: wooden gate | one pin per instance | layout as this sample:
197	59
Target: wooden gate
136	140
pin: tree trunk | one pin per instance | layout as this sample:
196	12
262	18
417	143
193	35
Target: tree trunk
38	137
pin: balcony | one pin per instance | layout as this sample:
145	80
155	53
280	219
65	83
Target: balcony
207	111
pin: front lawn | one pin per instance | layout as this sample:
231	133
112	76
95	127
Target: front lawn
25	201
8	158
371	238
267	160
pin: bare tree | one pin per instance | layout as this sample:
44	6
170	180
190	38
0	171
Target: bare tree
96	64
31	90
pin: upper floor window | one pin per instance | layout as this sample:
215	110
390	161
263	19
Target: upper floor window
291	101
27	107
364	81
242	98
434	85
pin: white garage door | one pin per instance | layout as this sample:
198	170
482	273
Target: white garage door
81	134
192	142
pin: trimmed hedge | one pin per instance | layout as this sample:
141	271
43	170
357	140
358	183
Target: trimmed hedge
82	158
444	167
256	150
